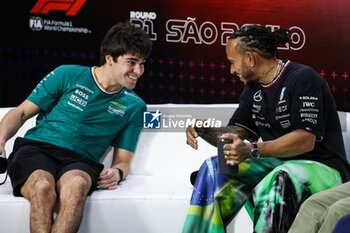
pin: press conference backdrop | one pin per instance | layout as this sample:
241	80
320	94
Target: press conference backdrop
188	63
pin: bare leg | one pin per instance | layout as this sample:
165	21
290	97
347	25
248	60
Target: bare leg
73	188
40	190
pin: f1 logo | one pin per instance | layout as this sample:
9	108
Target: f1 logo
71	7
152	120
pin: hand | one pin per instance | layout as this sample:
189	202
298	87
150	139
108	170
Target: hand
238	151
191	135
109	178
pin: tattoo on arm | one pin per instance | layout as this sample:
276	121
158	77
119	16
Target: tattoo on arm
210	134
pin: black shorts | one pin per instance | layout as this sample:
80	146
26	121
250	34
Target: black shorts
30	155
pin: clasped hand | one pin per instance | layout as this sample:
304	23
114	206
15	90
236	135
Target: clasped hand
109	178
236	151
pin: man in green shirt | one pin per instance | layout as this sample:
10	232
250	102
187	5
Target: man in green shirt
82	110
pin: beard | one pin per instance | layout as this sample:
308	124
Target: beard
248	77
249	84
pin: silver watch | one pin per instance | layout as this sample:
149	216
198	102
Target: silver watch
255	152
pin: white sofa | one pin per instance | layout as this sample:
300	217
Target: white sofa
155	197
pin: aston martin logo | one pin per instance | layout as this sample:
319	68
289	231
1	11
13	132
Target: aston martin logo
118	105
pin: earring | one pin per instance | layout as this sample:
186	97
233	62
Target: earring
252	65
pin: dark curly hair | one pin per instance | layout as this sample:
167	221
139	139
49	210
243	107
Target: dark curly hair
123	38
260	40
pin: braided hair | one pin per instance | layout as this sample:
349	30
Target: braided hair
260	40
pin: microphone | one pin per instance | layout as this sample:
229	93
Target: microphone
3	164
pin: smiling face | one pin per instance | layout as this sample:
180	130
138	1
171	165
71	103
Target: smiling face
126	69
238	63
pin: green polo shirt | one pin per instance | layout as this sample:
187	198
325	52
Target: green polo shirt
78	115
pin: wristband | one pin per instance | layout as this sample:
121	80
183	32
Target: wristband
121	174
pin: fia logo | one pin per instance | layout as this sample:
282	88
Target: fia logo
36	23
152	120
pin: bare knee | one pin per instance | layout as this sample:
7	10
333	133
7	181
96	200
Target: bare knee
78	186
40	185
44	190
81	184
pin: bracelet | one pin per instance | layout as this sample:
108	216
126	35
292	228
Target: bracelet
121	174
